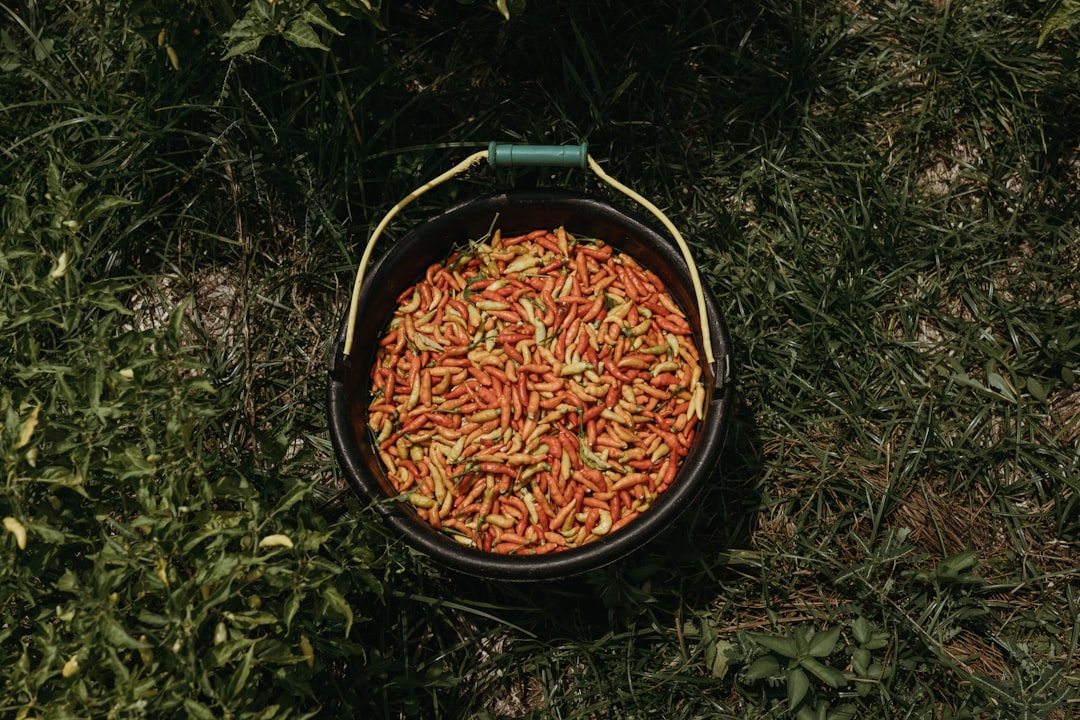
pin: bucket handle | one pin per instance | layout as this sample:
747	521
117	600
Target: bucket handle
509	155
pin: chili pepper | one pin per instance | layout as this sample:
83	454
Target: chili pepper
664	380
674	324
602	252
603	524
667	473
592	517
543	506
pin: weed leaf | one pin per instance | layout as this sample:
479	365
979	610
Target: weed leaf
764	667
797	686
784	646
830	676
823	643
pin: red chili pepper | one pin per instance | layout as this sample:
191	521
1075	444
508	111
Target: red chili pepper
513	353
592	413
601	253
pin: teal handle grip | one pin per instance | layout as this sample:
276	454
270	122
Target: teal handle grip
510	154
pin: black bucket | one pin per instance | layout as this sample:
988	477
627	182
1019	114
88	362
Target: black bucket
431	242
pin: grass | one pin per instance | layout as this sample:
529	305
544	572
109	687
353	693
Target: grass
882	196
